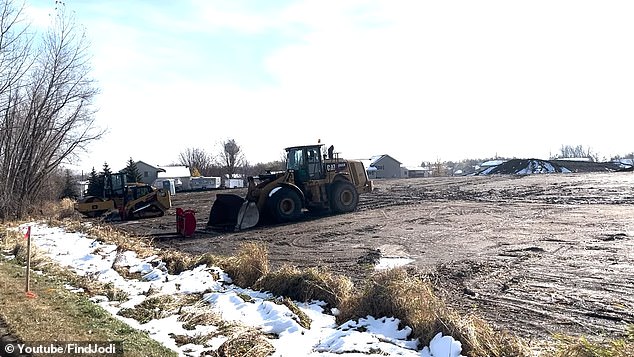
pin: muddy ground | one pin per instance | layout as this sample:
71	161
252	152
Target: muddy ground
536	255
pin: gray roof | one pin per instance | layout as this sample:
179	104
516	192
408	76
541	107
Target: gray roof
376	158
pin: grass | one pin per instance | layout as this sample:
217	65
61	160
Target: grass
247	344
391	293
155	307
306	285
59	315
395	293
300	317
198	313
248	266
582	347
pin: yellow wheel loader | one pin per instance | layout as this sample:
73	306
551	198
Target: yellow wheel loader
312	181
125	201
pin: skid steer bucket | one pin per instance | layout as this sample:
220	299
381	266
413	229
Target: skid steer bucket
232	212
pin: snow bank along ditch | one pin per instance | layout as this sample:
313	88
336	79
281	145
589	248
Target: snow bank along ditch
85	256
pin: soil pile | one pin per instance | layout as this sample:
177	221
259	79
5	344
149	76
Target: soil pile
525	167
537	166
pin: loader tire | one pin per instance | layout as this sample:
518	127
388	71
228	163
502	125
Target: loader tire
285	205
343	197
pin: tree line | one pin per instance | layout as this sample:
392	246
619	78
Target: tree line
46	105
229	161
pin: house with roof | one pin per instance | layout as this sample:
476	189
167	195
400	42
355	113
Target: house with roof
149	173
417	171
384	166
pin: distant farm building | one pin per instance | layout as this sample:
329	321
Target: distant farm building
149	173
384	166
416	171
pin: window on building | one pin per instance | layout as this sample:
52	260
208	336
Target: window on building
146	174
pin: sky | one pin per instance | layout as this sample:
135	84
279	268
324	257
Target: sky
367	336
417	80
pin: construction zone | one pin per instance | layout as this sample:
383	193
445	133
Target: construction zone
313	181
533	254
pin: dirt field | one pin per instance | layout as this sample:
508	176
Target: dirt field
536	254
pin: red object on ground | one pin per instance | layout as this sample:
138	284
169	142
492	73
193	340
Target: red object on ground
185	222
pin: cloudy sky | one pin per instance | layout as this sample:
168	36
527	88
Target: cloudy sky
418	80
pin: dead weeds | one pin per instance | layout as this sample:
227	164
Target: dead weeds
248	266
395	293
155	307
582	347
392	293
199	313
306	285
299	316
250	343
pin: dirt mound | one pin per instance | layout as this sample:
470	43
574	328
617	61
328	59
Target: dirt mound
588	166
538	166
524	167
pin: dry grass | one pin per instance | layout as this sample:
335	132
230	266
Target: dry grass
199	339
306	285
209	260
582	347
155	307
248	266
176	262
247	344
58	210
300	317
394	293
200	313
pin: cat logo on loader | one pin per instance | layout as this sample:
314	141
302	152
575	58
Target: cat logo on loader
312	181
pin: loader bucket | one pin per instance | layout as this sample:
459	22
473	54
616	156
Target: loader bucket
248	216
232	212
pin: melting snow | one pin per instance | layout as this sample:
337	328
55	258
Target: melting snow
365	337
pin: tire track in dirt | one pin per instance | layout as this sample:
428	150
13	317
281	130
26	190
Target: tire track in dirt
564	292
532	254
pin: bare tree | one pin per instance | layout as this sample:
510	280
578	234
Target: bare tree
46	113
197	159
15	47
568	151
231	157
263	168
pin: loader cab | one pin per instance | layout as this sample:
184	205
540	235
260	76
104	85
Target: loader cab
306	162
114	185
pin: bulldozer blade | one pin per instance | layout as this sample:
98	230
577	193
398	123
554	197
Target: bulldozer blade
248	216
224	212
